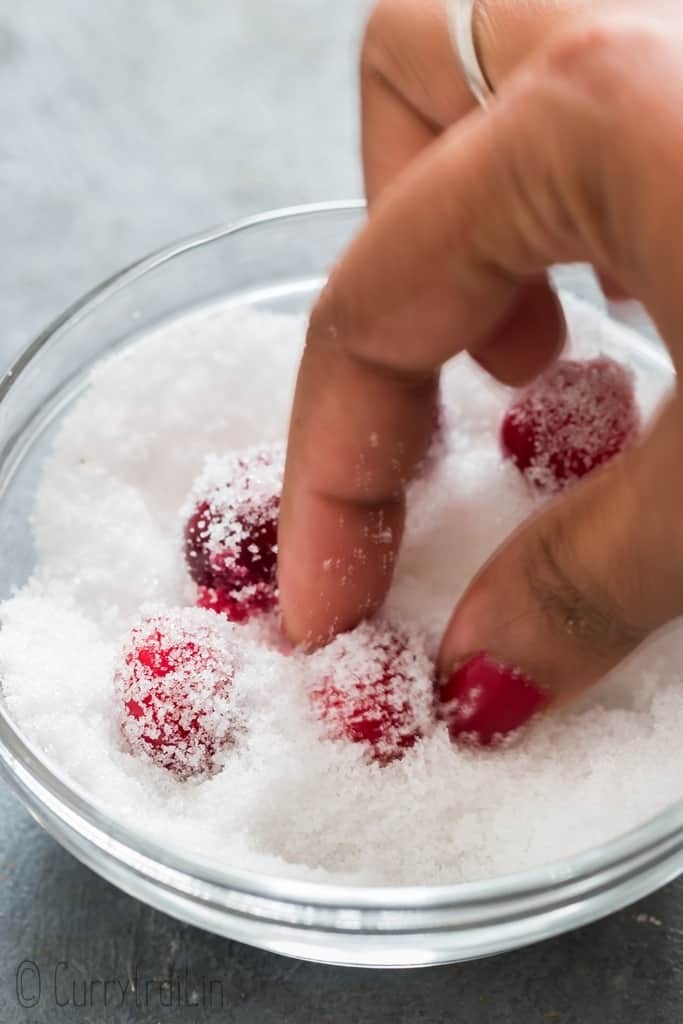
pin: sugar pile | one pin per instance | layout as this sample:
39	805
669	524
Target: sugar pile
108	538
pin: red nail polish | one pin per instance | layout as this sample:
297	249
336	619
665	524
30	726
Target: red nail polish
484	701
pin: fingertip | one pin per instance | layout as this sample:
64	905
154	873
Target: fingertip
335	563
517	611
484	701
553	605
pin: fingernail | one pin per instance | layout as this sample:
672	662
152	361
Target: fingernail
484	701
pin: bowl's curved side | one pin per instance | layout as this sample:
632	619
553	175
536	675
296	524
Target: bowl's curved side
419	933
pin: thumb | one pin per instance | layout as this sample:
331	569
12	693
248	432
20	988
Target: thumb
571	593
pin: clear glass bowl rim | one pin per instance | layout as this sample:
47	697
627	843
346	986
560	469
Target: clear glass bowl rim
44	789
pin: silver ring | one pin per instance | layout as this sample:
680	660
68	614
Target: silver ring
462	29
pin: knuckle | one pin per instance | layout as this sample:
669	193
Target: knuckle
406	47
604	53
579	609
378	37
602	92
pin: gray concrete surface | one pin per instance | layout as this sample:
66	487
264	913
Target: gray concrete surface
123	125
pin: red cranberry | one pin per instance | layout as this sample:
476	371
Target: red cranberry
375	690
575	417
175	676
231	536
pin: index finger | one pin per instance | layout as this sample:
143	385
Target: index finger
411	292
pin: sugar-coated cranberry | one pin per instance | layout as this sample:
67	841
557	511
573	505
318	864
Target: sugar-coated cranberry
174	678
573	418
373	686
231	533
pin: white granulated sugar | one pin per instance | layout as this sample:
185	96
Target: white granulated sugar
282	799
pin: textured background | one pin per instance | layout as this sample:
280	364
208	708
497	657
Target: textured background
123	125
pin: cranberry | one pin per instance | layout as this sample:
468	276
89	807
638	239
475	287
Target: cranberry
231	535
174	677
375	690
575	417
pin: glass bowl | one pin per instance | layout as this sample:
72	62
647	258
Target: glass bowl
276	261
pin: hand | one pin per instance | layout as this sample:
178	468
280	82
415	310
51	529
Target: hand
579	158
